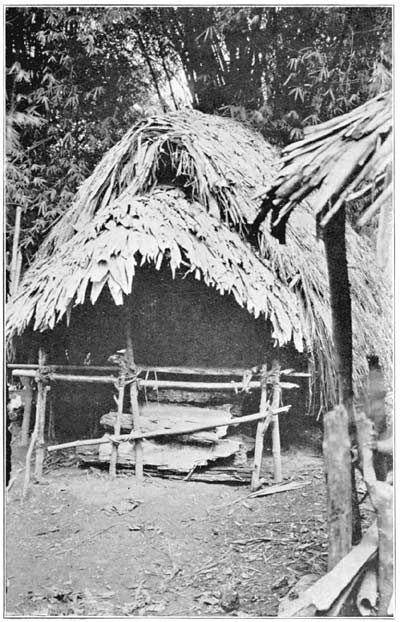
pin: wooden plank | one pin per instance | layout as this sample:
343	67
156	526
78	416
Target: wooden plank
336	446
322	594
158	433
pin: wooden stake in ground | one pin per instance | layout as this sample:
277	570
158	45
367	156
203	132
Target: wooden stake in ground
40	419
26	421
117	424
262	426
276	440
338	471
134	393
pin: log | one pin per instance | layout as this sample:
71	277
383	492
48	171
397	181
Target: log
322	595
40	421
337	456
159	433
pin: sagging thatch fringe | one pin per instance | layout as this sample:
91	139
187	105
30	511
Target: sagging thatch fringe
128	213
347	157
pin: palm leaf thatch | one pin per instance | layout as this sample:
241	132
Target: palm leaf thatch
178	189
344	159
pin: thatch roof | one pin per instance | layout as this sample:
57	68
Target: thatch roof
344	159
179	189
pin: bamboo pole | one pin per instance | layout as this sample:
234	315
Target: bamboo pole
276	441
117	424
262	426
133	390
26	421
197	371
164	432
152	384
15	248
40	420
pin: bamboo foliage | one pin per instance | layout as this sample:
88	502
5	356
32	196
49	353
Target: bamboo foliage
177	190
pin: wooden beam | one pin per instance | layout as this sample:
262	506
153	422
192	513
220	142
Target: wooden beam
152	384
158	433
189	371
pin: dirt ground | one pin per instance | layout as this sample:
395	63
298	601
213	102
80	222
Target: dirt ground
81	544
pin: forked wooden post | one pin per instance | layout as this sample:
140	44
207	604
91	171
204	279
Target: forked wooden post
117	424
133	390
337	456
261	429
40	418
276	440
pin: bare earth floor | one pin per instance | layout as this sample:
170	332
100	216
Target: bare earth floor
84	545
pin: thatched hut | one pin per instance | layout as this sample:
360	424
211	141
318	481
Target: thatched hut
164	217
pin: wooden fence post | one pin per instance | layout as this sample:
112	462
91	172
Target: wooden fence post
26	421
338	466
262	426
133	390
117	424
276	440
40	418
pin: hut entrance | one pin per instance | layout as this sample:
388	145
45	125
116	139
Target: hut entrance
197	360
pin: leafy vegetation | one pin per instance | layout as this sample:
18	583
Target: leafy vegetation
77	78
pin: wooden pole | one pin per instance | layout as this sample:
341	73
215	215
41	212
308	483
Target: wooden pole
154	384
276	440
26	421
15	249
164	432
262	426
117	424
189	371
133	390
337	456
40	420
